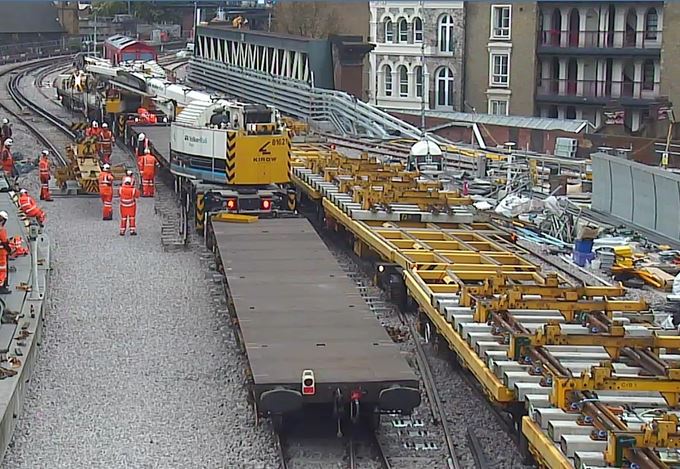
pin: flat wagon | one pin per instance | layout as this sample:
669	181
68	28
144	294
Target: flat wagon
310	338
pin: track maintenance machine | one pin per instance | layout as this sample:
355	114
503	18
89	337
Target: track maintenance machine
225	156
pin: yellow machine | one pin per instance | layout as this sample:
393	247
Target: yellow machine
232	157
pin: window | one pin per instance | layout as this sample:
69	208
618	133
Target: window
651	24
648	74
498	107
418	72
403	30
445	87
500	21
446	34
387	77
417	30
389	31
500	65
403	81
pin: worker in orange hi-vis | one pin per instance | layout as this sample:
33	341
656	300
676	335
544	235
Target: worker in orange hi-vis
106	192
5	249
44	170
128	195
93	130
148	171
106	140
6	158
141	146
30	208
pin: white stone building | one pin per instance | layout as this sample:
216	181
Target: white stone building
419	53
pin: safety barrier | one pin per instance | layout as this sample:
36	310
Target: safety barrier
337	110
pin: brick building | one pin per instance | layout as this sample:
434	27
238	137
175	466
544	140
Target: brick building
609	63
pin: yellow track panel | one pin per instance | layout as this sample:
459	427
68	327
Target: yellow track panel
492	385
544	451
306	188
587	364
423	295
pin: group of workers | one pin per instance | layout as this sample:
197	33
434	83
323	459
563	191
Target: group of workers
12	247
105	140
128	192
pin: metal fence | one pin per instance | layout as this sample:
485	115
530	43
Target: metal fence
337	110
12	53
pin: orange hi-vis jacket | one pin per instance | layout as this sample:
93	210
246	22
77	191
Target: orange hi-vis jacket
105	183
44	169
30	208
128	200
148	168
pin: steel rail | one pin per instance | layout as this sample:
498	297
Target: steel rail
22	103
436	408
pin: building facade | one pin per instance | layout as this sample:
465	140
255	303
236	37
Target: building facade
418	54
608	63
599	61
500	58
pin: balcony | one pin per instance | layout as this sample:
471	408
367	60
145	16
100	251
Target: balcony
609	43
596	91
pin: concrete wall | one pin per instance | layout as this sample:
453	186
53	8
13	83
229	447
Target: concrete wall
643	195
477	24
522	56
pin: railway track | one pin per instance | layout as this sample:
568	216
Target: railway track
25	111
424	439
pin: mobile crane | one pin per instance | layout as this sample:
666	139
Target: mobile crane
225	155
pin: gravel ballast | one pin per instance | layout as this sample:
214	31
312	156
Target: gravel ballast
136	368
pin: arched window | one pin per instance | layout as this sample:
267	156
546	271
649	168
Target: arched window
402	26
387	80
651	24
403	81
389	30
445	87
446	34
417	30
418	72
648	75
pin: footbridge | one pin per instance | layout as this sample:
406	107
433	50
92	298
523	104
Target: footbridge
297	75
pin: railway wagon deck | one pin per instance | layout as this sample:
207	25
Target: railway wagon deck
297	310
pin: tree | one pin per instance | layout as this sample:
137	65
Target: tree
315	20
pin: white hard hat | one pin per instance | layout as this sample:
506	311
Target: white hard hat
105	125
147	151
45	152
4	215
127	181
141	137
9	142
5	121
128	172
106	167
95	124
23	191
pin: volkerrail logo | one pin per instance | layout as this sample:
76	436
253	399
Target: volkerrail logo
191	139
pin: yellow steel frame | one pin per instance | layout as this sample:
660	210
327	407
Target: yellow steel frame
476	263
662	432
601	378
613	341
542	448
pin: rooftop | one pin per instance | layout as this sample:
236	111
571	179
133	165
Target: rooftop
536	123
29	17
